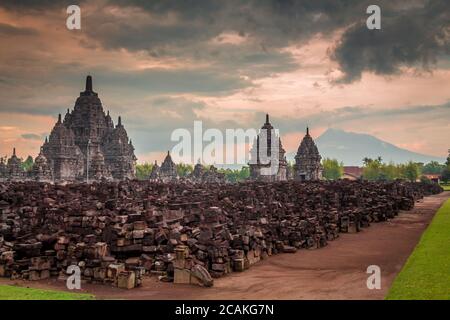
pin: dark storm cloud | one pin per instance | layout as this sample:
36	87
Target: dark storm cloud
416	37
7	29
270	23
37	5
414	33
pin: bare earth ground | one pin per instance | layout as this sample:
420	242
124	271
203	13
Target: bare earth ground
337	271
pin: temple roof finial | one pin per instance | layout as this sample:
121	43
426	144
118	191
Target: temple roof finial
267	118
307	131
14	151
89	83
59	118
119	121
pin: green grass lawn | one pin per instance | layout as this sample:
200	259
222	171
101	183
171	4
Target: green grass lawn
21	293
426	274
446	187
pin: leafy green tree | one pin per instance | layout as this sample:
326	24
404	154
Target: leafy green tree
389	172
372	170
27	165
332	169
445	176
236	175
411	171
143	170
433	167
184	170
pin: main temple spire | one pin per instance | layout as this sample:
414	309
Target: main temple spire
89	83
88	89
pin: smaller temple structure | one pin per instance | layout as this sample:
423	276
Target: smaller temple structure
2	169
41	170
307	160
197	173
14	169
212	175
154	174
167	172
268	160
200	174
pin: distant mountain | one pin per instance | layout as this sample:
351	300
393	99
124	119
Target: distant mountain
351	148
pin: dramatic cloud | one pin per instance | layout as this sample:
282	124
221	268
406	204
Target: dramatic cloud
418	37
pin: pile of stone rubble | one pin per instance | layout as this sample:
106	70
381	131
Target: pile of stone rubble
187	233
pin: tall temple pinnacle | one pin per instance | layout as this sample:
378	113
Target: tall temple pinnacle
307	131
267	118
88	83
88	88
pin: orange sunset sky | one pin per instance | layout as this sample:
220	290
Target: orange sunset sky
163	64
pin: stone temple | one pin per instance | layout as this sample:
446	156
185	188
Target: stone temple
264	166
87	146
167	172
84	146
307	160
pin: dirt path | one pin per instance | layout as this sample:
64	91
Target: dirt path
337	271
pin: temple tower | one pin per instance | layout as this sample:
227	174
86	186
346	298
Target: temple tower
87	138
267	159
307	160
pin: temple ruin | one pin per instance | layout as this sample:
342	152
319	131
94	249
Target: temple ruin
264	166
84	146
307	165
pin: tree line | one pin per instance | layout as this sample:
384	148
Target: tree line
372	170
377	170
